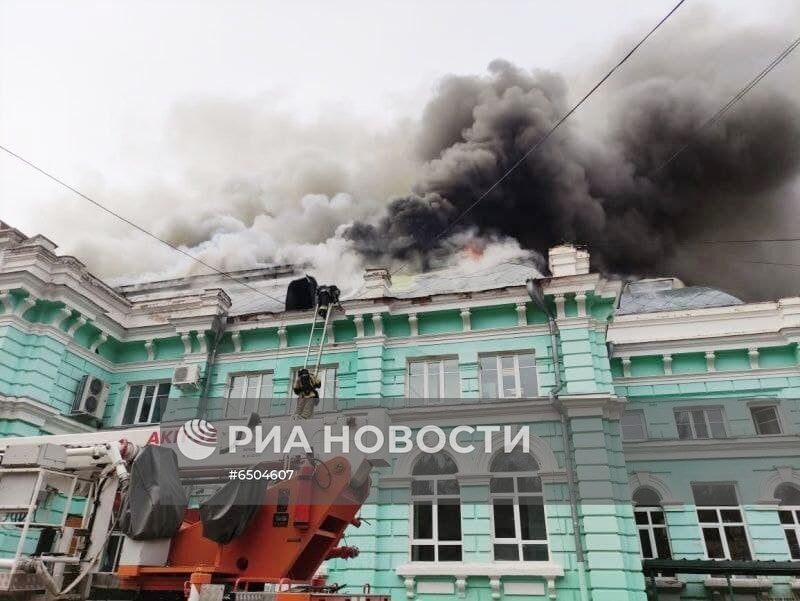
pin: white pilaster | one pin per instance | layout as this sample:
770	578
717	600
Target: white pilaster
24	304
79	323
626	367
61	316
358	320
186	338
282	340
667	361
236	338
711	361
150	348
201	338
98	341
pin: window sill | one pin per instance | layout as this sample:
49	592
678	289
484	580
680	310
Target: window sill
493	570
668	583
760	583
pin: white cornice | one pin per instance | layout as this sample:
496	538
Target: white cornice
720	448
476	412
39	415
713	376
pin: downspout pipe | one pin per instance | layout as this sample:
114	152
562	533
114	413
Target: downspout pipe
211	358
536	294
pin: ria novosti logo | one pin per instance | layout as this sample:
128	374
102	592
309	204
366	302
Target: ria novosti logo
197	439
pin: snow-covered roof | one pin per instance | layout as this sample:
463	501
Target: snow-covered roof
667	295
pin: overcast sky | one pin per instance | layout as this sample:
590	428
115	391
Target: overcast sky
87	88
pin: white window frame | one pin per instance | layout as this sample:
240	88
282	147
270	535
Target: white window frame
321	408
247	375
706	422
650	528
433	499
515	497
156	385
517	379
426	363
794	511
720	525
640	414
775	408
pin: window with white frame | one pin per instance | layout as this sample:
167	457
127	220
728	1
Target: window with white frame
650	524
145	403
766	419
327	390
519	530
632	426
245	393
702	423
721	520
436	509
788	496
434	379
508	375
110	559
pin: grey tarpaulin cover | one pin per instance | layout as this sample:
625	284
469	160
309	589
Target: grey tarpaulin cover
227	513
156	500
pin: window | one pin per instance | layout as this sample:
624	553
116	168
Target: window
651	525
436	509
632	425
245	391
327	391
145	403
110	560
508	376
788	496
434	379
765	419
721	522
519	528
700	423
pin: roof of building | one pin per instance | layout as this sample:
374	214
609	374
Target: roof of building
264	290
669	294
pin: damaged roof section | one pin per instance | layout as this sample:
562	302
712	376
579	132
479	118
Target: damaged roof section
669	294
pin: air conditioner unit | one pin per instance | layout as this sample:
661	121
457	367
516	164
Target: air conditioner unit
186	376
91	397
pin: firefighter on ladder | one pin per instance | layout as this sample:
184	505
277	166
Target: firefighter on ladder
306	384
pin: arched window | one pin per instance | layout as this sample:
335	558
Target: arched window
519	528
436	508
650	524
788	496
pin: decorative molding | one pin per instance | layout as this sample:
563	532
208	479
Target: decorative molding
667	361
752	354
522	314
150	349
79	323
377	324
644	479
236	338
5	300
358	321
99	341
494	585
780	372
461	587
201	339
781	475
413	324
40	415
715	448
711	361
466	322
186	338
626	367
560	311
61	316
282	340
24	305
580	299
409	584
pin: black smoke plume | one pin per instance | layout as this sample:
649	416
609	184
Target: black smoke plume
612	190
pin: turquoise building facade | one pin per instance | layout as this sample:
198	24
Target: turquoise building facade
672	428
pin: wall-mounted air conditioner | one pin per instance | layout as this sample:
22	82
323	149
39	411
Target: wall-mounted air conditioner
91	397
186	376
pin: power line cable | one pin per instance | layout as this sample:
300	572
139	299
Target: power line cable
135	225
546	136
727	106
